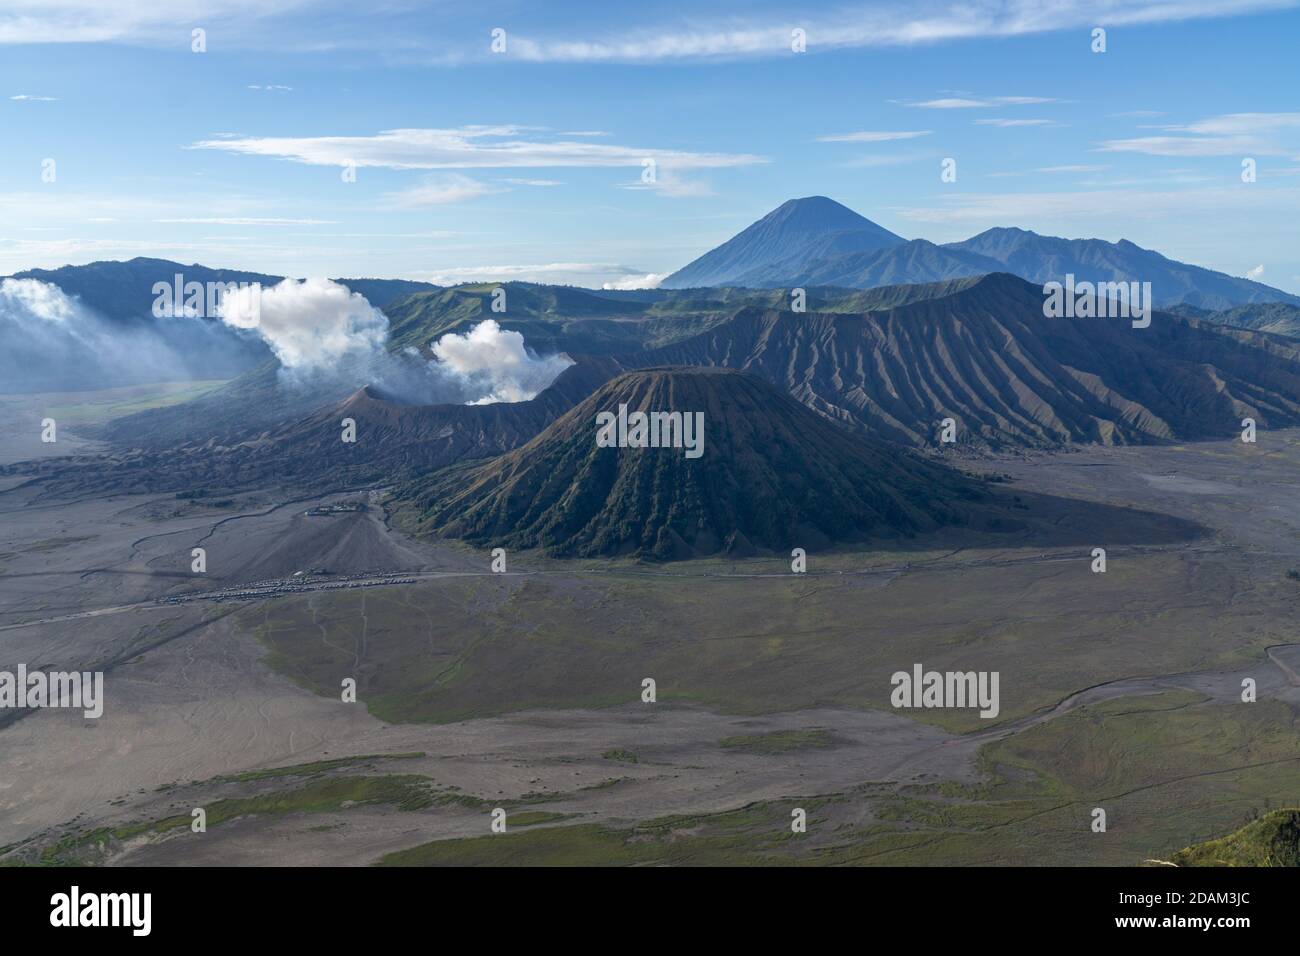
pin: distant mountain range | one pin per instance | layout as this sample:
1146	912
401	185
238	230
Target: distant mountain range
818	242
977	350
124	290
1280	318
109	336
822	425
981	351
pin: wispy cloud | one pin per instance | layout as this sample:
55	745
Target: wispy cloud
442	190
1072	168
1231	124
591	274
668	183
1069	168
885	24
28	97
134	21
872	137
1089	208
988	102
879	160
467	147
1187	145
1232	134
249	221
291	25
1009	123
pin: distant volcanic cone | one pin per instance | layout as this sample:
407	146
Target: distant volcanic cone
772	475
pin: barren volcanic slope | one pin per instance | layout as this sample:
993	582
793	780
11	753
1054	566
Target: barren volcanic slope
981	350
772	474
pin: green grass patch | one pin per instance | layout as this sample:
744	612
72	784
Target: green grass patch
1272	840
315	767
531	818
753	835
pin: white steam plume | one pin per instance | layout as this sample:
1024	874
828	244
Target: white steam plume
494	359
327	337
50	341
309	325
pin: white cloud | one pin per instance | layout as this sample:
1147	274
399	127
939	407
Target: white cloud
649	281
879	160
668	183
289	24
1227	135
1008	123
1097	207
872	137
142	21
467	147
451	188
534	182
1256	273
1242	124
271	88
35	99
1188	145
249	221
1076	168
587	274
885	24
964	103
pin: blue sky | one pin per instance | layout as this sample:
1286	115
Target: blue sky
528	163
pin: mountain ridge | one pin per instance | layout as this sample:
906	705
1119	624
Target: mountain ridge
983	353
750	259
122	289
